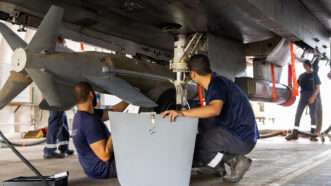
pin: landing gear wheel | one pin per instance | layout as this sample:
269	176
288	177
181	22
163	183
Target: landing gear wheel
167	101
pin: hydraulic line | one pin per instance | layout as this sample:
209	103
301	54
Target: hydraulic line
22	144
272	133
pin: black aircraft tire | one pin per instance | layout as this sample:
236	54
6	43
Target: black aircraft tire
167	101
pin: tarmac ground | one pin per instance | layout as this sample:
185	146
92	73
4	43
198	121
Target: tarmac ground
276	162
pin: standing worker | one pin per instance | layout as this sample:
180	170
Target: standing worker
309	83
57	136
58	131
230	131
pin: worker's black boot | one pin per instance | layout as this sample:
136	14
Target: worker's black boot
313	132
239	166
67	152
313	139
219	170
292	136
53	155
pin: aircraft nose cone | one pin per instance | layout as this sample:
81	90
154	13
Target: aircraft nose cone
19	60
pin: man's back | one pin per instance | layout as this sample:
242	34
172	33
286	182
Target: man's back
237	115
88	129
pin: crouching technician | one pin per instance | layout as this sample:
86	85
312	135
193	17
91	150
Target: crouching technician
91	137
227	128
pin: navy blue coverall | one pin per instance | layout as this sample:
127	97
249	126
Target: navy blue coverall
58	133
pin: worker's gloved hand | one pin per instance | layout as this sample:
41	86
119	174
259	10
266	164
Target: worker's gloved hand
172	114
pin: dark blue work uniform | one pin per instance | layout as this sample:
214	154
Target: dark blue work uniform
234	131
308	83
57	133
88	129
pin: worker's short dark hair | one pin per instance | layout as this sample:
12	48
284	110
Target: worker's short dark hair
308	63
200	64
82	91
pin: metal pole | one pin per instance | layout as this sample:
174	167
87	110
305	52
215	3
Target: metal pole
179	67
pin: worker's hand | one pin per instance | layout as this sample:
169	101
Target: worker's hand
311	100
172	114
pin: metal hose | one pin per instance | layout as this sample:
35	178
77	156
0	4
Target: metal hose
272	133
23	144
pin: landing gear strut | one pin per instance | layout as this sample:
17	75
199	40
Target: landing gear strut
183	50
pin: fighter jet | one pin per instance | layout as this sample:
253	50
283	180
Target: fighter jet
238	32
55	73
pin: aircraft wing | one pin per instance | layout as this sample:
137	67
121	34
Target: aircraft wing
122	89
